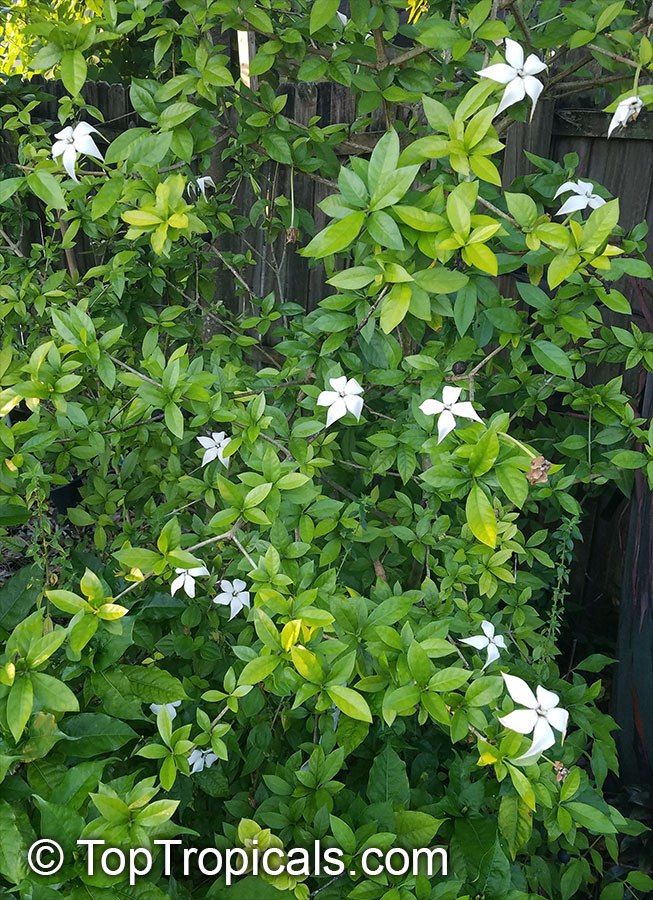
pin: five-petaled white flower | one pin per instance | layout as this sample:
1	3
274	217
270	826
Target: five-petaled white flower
541	716
448	408
198	760
626	111
345	397
583	196
72	141
214	447
490	640
518	75
200	186
186	580
171	707
233	595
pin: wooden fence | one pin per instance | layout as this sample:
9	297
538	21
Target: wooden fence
624	165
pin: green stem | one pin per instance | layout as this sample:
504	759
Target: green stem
512	440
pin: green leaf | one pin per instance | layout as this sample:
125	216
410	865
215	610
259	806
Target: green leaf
394	307
552	358
513	483
73	71
458	212
153	685
258	669
415	829
18	596
176	113
523	208
484	454
335	237
277	147
449	679
483	690
480	516
257	495
384	230
174	419
53	695
350	702
107	197
94	734
629	459
437	114
351	279
8	187
384	159
591	818
515	822
323	12
440	280
522	785
392	187
19	705
600	226
13	856
47	188
388	780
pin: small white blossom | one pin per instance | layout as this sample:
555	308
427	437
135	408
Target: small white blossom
488	640
198	760
627	111
71	141
214	447
186	580
518	76
583	196
171	707
233	595
541	715
448	408
345	397
200	186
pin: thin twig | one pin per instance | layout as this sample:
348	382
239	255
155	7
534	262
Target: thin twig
123	365
498	212
370	312
12	246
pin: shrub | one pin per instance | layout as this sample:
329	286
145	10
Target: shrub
312	567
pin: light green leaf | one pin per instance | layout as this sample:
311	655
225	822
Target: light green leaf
73	71
552	358
350	702
480	516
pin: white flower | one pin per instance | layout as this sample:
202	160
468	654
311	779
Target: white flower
518	76
186	580
233	595
171	707
585	196
198	760
200	185
70	142
448	409
541	716
215	447
345	397
627	110
493	642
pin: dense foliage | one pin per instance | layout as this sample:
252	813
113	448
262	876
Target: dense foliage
337	690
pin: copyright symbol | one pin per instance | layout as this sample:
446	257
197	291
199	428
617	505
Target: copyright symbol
45	857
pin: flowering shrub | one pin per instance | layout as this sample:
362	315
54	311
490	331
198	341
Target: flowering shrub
311	570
